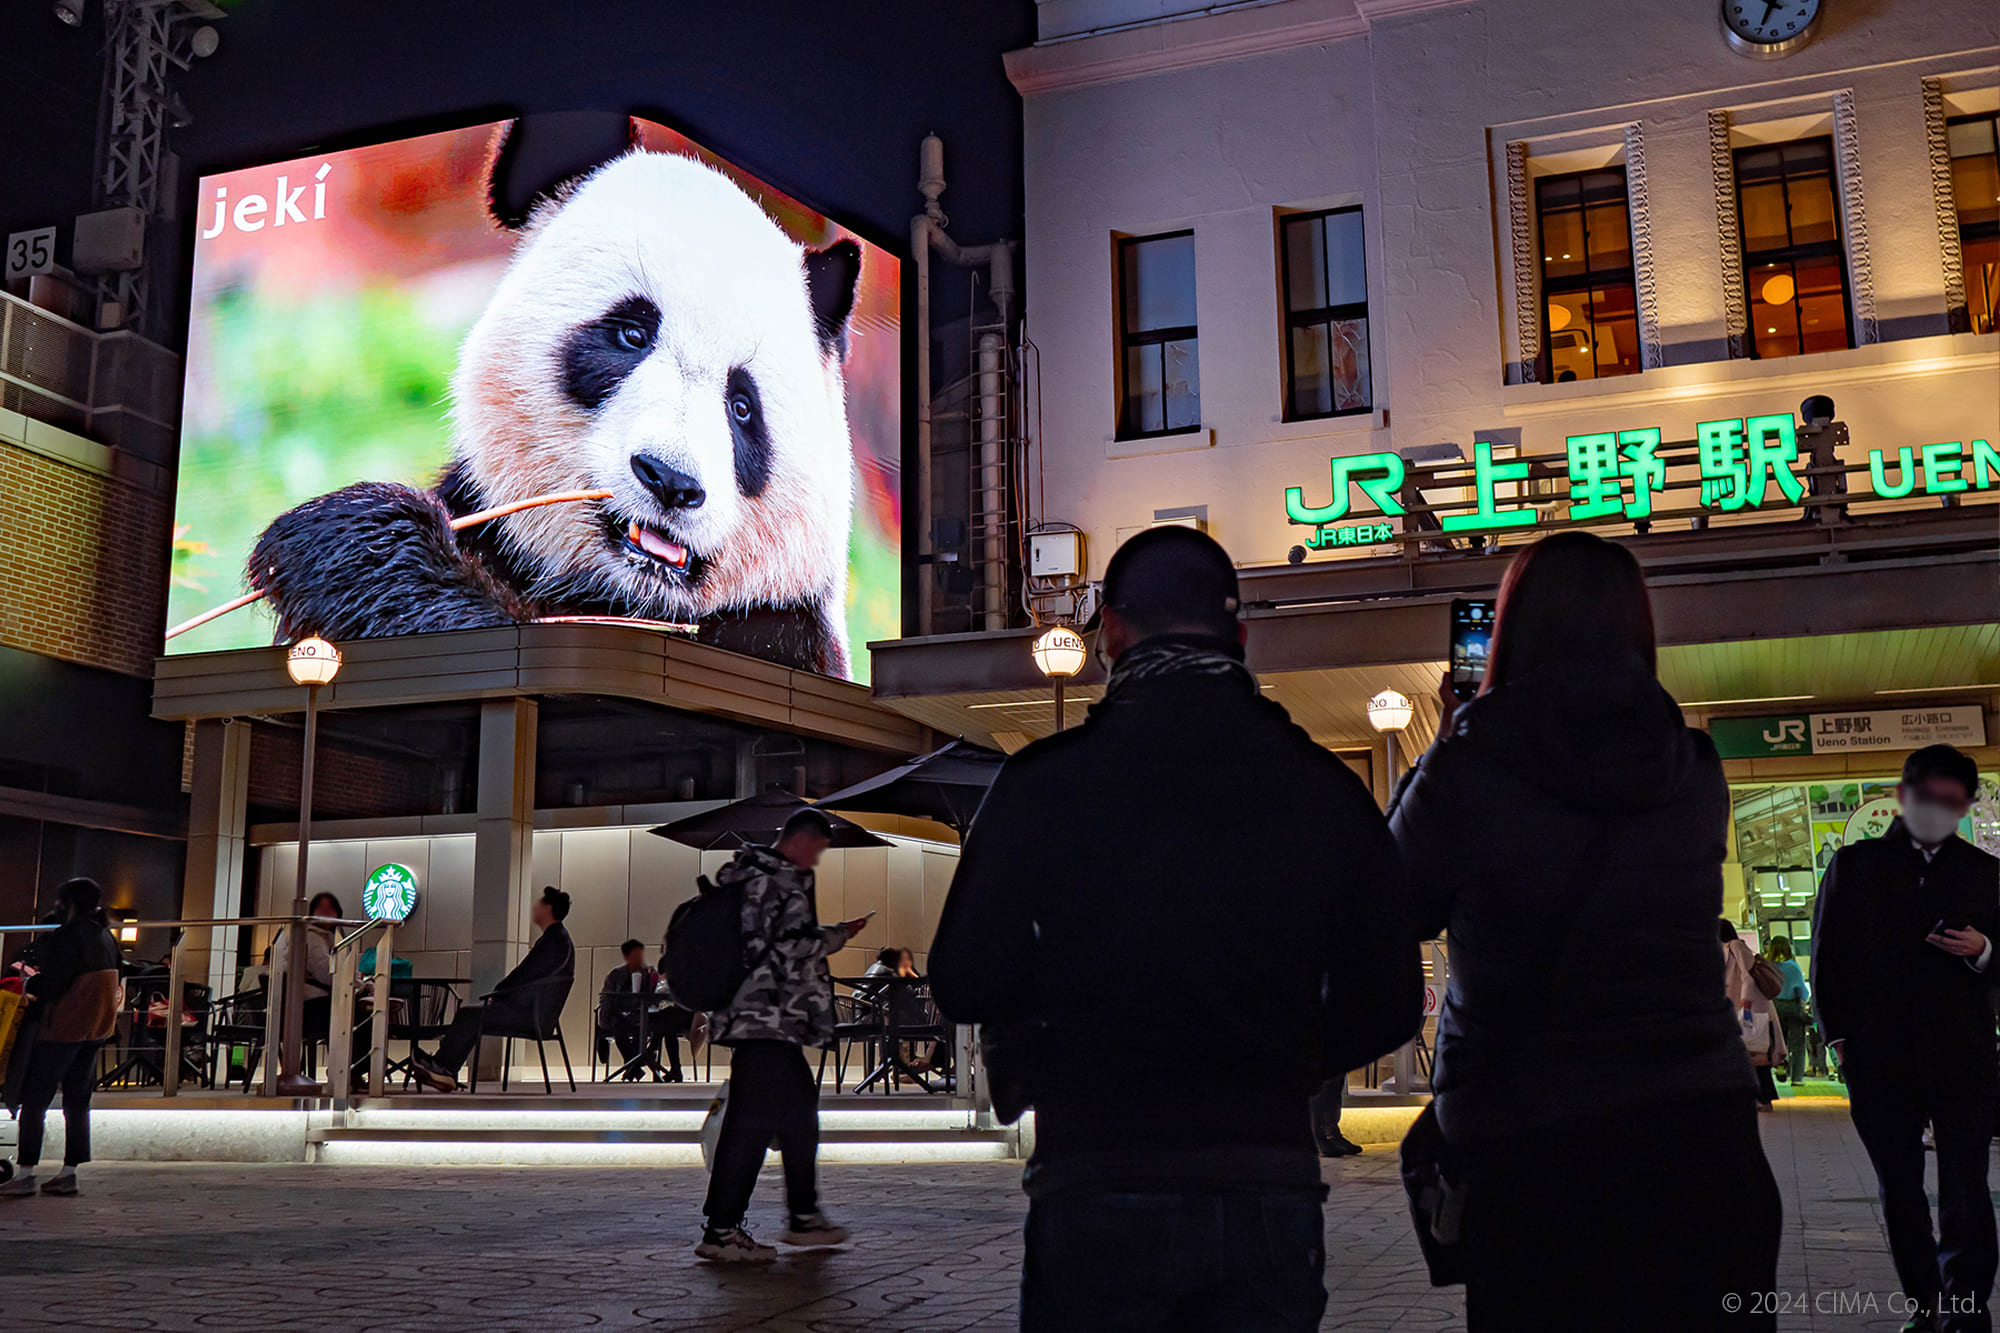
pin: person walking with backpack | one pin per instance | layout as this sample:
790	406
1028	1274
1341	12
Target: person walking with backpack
783	1005
73	1001
1566	805
1186	798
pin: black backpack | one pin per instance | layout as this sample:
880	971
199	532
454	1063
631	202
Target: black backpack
702	955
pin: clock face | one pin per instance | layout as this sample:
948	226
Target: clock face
1769	23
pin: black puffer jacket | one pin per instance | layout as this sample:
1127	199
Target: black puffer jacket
1186	872
1570	833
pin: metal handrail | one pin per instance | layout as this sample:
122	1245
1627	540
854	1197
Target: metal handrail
340	1034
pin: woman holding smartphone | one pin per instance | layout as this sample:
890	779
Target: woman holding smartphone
1602	1123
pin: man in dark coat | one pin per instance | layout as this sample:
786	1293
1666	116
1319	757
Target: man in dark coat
538	984
1187	870
1902	973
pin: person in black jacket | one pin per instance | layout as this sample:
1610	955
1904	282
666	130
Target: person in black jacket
1187	840
73	1002
1564	808
550	966
1902	983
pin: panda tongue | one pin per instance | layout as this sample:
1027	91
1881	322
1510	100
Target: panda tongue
653	544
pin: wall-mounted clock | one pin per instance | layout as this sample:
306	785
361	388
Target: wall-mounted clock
1765	29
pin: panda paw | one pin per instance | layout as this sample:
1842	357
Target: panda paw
372	559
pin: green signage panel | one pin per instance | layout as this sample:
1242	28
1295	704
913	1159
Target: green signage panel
1745	463
1760	737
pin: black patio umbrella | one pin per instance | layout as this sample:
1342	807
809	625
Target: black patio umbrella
946	785
756	820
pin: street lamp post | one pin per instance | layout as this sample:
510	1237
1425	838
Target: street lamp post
1060	653
1389	712
312	662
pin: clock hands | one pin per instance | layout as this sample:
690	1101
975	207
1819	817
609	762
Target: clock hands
1769	5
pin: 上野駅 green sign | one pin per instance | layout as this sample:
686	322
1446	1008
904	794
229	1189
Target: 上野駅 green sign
1617	474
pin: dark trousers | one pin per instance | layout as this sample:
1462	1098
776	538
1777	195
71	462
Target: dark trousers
71	1068
771	1095
462	1037
1326	1104
1890	1102
1190	1259
659	1036
1643	1218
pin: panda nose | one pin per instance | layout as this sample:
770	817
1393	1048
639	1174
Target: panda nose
673	488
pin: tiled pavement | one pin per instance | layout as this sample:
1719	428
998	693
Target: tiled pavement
340	1248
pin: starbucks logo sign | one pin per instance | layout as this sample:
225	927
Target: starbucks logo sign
390	893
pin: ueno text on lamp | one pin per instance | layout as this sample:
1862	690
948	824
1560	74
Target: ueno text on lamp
1059	652
1390	711
312	661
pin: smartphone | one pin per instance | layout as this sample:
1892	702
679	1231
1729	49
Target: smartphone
1471	640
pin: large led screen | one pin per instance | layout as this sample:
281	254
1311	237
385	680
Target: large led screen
679	386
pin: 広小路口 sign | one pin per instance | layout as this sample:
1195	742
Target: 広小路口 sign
1887	730
1617	474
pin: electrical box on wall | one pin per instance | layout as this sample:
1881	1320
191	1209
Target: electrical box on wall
1055	555
111	240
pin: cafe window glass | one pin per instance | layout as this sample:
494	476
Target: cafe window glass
1794	266
1326	314
1160	375
1975	190
1588	292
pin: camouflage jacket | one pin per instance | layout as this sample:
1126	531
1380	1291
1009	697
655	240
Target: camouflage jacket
788	994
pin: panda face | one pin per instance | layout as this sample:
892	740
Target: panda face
659	337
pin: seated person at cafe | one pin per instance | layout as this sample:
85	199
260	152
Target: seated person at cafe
511	1010
618	1016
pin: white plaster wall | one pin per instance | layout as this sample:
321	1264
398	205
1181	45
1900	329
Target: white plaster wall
1411	120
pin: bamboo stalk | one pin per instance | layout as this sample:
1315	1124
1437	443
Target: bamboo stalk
457	525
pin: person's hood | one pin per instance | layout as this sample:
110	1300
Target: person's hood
755	859
1609	739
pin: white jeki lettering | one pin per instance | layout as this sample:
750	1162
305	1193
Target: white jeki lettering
253	212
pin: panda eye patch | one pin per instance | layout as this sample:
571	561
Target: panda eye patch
597	355
749	432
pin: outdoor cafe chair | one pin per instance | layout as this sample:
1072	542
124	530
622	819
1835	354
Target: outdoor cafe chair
236	1021
420	1010
856	1018
544	1001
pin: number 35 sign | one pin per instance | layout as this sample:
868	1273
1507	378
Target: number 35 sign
31	252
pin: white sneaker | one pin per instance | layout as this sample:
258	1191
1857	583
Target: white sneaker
733	1246
814	1230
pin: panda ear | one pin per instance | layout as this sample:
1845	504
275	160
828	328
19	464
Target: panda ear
831	275
537	158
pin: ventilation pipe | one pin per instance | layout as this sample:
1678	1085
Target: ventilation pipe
927	234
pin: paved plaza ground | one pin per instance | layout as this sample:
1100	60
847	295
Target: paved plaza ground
938	1246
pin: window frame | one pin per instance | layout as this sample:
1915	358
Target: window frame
1972	231
1290	319
1568	284
1792	254
1127	340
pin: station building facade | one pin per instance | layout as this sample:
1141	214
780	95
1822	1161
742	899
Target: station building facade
1524	269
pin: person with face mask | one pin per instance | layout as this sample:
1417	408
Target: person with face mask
1902	983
